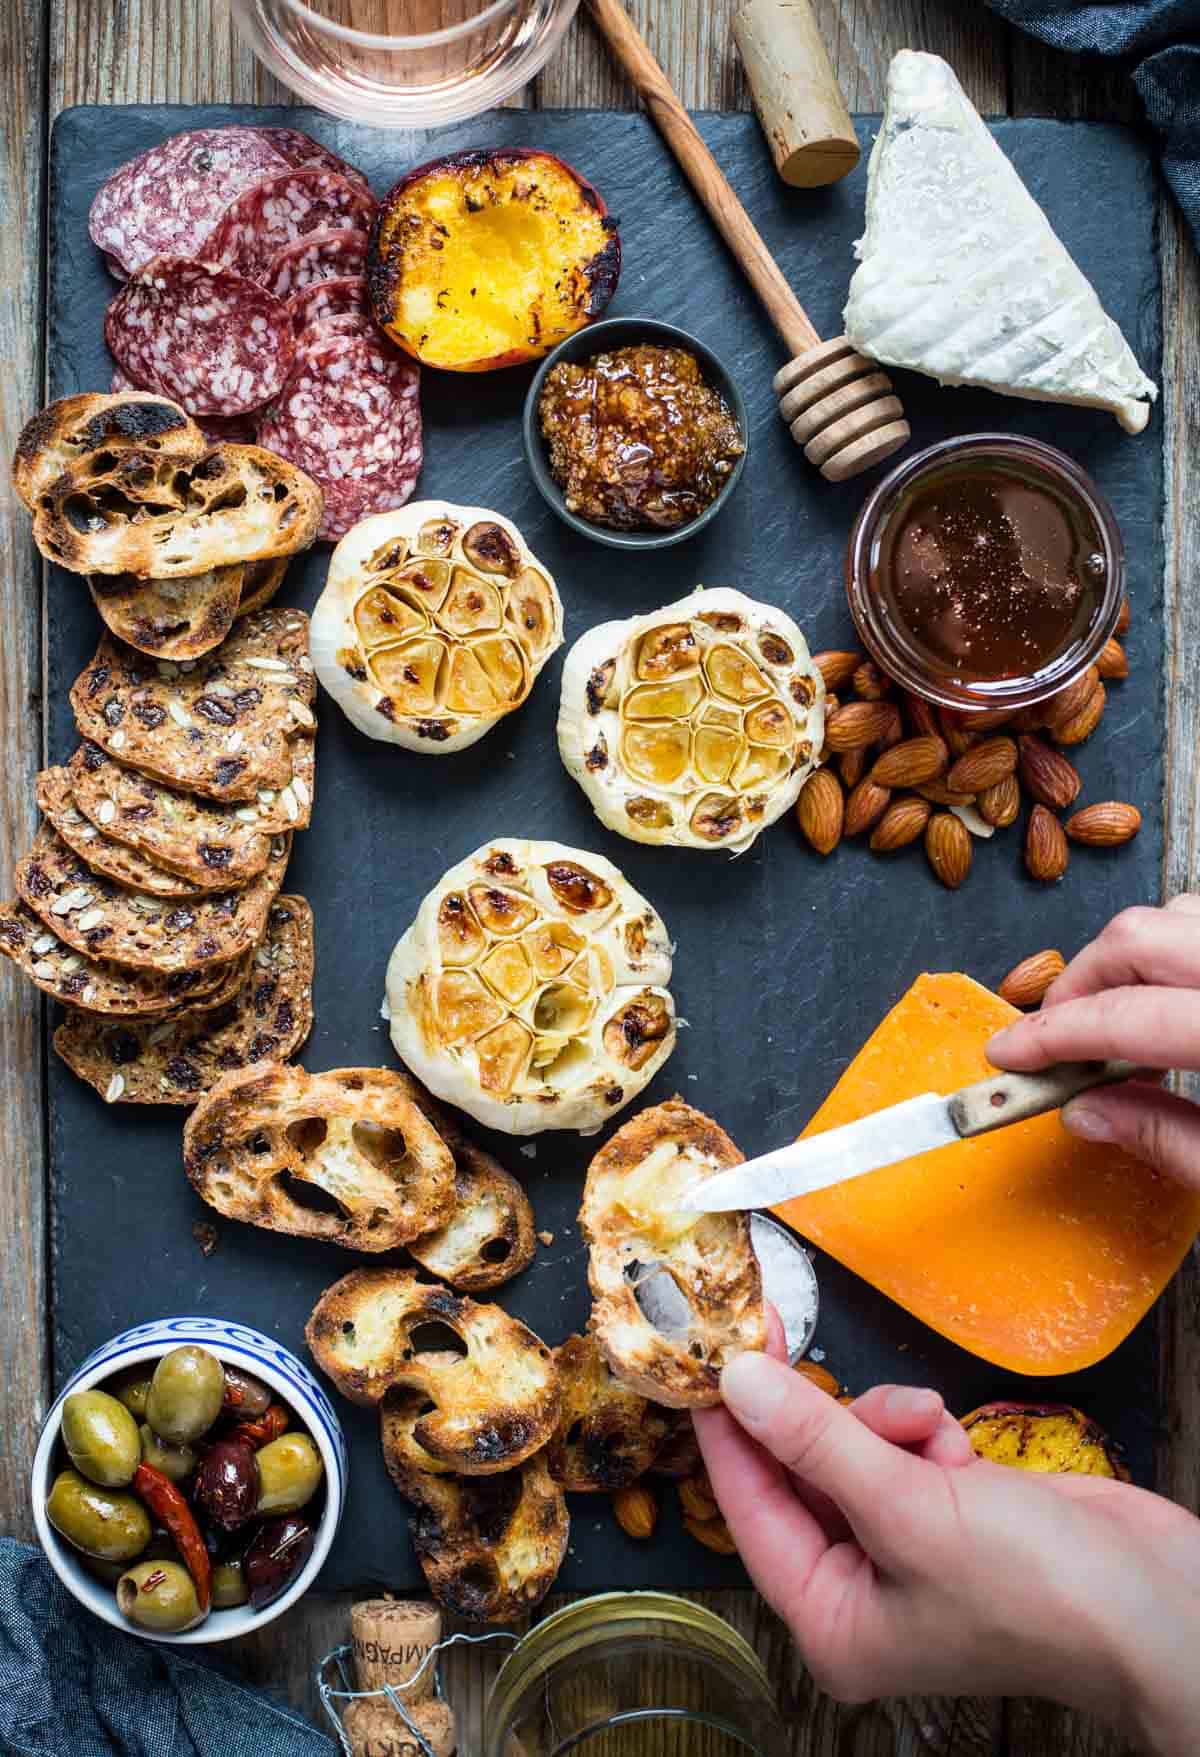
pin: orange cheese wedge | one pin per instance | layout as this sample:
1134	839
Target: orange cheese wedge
1032	1249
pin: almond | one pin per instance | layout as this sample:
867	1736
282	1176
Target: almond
837	668
955	732
893	726
713	1534
1047	774
1027	982
852	765
819	1376
910	762
983	765
1028	719
988	720
636	1511
695	1497
938	793
1067	703
820	810
858	723
999	805
1124	619
865	806
869	682
1106	825
902	822
922	716
1046	851
1085	722
948	845
1113	662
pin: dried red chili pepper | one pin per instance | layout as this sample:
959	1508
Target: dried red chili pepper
268	1427
171	1510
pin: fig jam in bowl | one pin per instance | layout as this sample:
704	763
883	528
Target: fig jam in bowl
986	572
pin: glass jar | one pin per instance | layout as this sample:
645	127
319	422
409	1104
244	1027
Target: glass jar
1065	511
404	63
624	1673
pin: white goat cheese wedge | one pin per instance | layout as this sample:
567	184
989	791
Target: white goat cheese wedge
960	273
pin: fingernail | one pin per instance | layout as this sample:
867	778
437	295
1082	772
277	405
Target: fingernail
754	1389
1088	1121
906	1401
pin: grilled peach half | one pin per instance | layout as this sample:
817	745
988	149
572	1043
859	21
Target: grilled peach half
490	258
1047	1437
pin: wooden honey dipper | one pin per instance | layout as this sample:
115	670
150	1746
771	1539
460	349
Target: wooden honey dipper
838	404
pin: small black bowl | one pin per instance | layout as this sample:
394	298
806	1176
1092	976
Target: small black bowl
600	338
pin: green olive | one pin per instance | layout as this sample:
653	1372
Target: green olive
101	1438
228	1584
289	1470
159	1596
175	1462
186	1393
105	1522
132	1387
107	1573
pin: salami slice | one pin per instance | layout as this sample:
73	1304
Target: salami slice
217	429
341	323
215	341
169	199
285	207
327	299
350	415
319	256
302	149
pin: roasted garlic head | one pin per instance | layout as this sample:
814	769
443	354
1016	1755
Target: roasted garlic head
531	990
434	623
695	726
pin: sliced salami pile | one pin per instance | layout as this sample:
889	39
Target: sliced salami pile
243	252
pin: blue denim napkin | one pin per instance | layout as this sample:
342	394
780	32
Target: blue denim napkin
70	1686
1161	41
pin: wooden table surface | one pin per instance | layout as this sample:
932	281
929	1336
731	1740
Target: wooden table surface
54	53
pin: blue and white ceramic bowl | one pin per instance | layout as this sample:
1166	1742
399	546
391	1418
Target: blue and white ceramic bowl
241	1346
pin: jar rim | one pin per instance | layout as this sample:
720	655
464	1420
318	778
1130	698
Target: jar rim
348	33
897	660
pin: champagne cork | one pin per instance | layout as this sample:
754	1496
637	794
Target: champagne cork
795	92
374	1729
391	1639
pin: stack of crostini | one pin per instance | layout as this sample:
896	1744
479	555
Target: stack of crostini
150	903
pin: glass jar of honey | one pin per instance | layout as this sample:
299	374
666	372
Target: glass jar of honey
986	572
627	1673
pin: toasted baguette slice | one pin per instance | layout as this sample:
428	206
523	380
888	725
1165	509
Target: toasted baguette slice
490	1547
494	1406
260	582
607	1435
345	1156
73	428
634	1228
170	619
162	518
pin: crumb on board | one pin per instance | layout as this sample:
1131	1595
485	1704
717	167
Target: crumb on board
206	1236
547	1238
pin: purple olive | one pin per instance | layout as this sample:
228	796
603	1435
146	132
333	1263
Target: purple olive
226	1488
245	1397
276	1555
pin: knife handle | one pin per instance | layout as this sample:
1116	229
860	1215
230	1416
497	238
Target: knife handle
1012	1098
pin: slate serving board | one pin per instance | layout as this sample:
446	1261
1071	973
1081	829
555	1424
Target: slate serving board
785	962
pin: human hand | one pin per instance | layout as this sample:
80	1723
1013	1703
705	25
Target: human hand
1134	993
897	1573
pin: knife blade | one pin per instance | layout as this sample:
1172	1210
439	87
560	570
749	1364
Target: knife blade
902	1131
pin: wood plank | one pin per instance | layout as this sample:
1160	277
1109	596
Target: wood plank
152	51
24	1343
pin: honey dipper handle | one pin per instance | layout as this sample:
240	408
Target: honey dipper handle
705	176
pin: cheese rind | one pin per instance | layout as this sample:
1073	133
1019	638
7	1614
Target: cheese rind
1029	1247
962	276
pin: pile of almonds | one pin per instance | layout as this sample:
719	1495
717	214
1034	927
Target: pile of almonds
898	770
636	1510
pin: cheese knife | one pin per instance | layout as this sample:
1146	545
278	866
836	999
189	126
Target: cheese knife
902	1131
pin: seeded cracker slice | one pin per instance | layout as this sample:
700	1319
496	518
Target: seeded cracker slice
214	845
104	919
175	1061
220	725
102	986
115	860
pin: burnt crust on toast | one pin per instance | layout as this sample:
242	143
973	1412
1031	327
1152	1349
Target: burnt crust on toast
493	1407
344	1156
72	428
103	919
490	1547
162	517
116	860
170	619
607	1435
175	1060
224	726
632	1232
